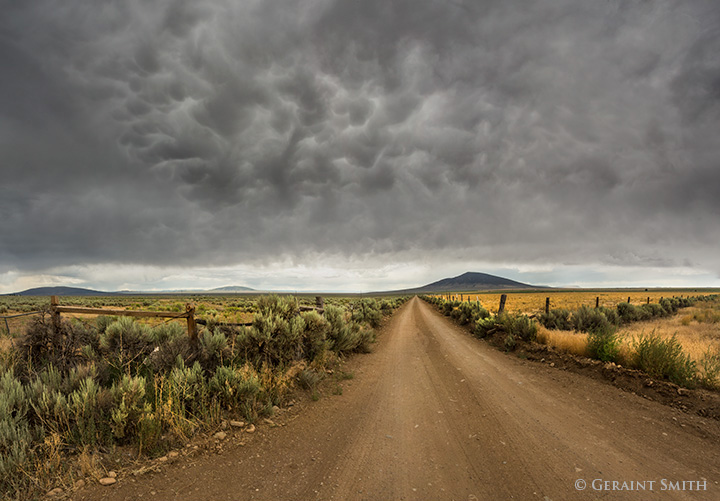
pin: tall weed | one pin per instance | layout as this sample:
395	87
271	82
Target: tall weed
665	358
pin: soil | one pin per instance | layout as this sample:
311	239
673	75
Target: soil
433	413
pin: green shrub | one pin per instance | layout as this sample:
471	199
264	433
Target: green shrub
124	345
236	388
510	342
125	335
213	343
588	319
652	310
15	433
349	337
165	356
603	344
314	341
448	306
367	338
149	430
187	395
709	369
103	321
556	319
387	307
129	401
44	345
284	307
89	423
345	336
367	311
484	327
669	305
611	315
309	379
167	332
664	357
627	313
467	313
520	326
272	339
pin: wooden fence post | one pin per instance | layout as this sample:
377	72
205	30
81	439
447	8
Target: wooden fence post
501	308
648	300
191	325
547	305
628	299
597	302
54	313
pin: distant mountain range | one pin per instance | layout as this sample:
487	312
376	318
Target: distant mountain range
62	291
470	282
79	291
232	288
467	282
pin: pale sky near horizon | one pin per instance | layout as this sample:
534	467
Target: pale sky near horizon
358	145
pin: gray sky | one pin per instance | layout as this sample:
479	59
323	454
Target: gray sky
358	145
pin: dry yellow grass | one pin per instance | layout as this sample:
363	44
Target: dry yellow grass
566	341
534	302
695	337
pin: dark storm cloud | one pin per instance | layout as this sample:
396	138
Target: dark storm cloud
181	132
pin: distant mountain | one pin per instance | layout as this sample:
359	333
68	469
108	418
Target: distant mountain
62	291
471	281
232	288
78	291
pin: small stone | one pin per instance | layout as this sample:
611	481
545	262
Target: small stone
112	474
163	459
55	492
552	364
268	422
107	481
220	435
250	429
237	424
80	483
276	409
173	454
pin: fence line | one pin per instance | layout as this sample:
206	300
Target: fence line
5	318
56	310
20	315
503	299
189	314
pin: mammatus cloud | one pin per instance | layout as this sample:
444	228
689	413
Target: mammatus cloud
219	133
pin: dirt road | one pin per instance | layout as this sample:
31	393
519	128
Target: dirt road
436	414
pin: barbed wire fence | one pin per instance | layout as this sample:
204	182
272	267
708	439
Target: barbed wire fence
5	318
